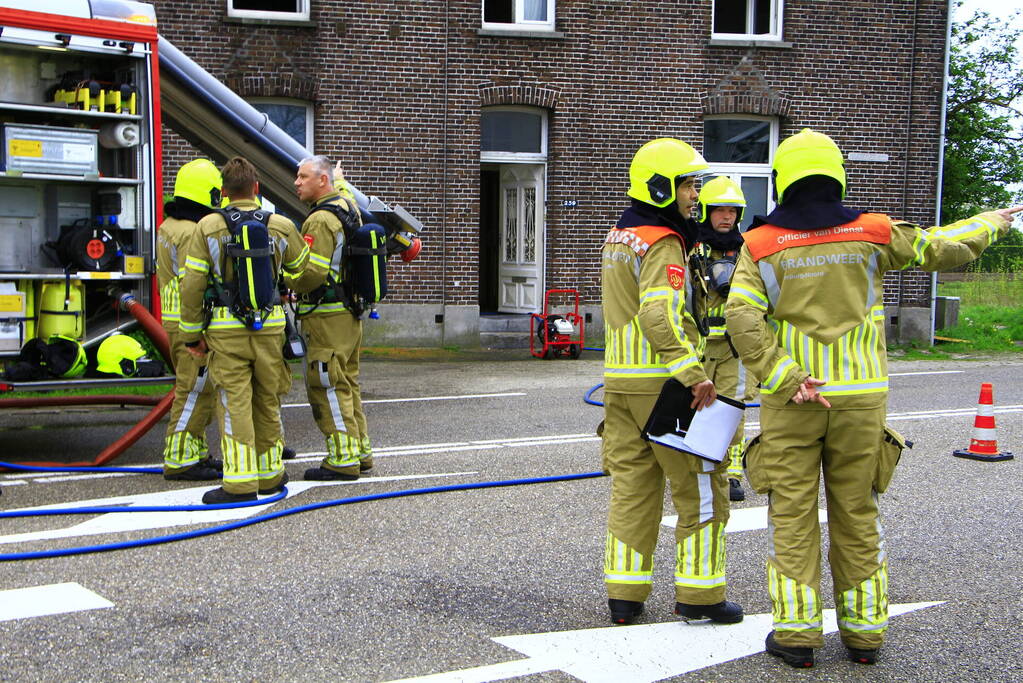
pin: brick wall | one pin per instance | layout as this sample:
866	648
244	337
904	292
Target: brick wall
398	88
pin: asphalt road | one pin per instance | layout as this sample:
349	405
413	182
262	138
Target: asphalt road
487	584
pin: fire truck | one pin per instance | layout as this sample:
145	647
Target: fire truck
84	88
79	167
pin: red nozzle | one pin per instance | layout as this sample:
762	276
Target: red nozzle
412	251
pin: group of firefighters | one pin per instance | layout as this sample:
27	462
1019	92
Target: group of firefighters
238	371
793	306
802	315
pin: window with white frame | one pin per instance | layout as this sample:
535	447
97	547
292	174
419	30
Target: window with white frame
294	117
513	134
519	14
742	147
282	10
748	19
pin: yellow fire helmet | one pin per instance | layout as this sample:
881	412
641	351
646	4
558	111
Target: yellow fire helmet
66	356
117	355
200	181
657	167
721	191
805	154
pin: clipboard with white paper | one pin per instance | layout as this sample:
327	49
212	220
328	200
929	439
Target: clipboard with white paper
704	433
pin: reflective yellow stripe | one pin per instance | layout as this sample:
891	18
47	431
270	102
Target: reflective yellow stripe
795	606
223	318
852	364
198	265
864	608
700	558
170	301
755	299
625	565
319	261
311	309
292	266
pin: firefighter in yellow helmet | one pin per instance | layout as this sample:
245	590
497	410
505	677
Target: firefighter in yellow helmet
245	340
721	208
805	312
651	338
197	192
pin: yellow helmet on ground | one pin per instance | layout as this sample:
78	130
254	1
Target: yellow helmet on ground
200	181
805	154
721	191
117	355
657	167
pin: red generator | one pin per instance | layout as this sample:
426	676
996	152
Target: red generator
556	335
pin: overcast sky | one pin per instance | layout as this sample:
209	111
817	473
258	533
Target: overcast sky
994	8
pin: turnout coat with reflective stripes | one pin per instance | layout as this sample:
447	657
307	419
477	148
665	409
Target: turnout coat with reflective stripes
206	260
171	241
811	303
648	334
325	236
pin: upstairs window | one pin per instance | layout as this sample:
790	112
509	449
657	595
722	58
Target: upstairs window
281	10
742	147
518	14
747	19
294	117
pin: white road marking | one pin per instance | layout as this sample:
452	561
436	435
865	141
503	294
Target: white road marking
639	654
926	372
116	522
492	444
743	519
421	398
57	598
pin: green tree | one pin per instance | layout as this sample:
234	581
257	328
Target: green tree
983	154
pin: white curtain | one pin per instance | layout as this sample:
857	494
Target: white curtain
535	10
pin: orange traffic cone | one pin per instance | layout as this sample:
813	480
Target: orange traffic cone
984	444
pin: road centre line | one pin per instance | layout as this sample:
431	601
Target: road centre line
420	398
926	372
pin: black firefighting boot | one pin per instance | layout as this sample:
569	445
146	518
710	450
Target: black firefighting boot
624	611
861	656
723	612
735	492
220	497
324	474
204	470
798	657
288	453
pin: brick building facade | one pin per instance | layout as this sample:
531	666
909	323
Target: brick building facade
561	93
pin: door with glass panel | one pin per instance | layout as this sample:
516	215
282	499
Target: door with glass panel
521	218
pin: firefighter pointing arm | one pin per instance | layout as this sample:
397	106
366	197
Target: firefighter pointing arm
806	314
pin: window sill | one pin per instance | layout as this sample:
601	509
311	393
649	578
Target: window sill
253	21
519	33
749	42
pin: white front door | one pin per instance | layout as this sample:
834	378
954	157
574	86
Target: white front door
520	277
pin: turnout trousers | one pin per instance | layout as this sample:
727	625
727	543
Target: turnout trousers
699	491
190	413
731	379
796	445
333	341
246	371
